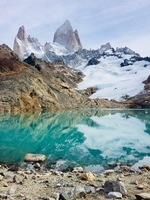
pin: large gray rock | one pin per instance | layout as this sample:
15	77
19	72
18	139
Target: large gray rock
34	157
115	186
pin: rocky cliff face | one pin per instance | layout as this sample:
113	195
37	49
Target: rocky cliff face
68	38
50	86
25	88
21	35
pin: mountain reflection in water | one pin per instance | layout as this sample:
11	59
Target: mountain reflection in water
86	137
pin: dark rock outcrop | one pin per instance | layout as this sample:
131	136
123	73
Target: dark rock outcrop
93	61
141	100
147	81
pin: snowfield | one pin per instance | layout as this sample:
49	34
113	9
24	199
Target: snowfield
114	81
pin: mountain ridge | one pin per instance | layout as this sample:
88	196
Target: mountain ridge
66	43
116	73
50	86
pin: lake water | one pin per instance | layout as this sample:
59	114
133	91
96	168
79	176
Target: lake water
90	138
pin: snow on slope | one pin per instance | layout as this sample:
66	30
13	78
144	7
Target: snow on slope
26	48
113	81
56	48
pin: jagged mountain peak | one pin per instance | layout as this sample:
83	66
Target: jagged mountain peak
68	38
24	46
105	47
22	33
126	50
66	26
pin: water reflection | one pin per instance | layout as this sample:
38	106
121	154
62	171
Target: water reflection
89	137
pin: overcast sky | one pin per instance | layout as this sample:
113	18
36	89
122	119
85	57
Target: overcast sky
120	22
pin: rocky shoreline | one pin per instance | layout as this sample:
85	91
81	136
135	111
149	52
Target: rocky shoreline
36	181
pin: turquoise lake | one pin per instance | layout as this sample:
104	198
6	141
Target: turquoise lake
87	137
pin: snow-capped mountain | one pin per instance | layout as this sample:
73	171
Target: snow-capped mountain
65	41
24	46
116	73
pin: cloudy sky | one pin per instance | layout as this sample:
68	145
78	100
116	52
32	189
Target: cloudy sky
120	22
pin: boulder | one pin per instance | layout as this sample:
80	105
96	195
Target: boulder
115	186
34	157
88	176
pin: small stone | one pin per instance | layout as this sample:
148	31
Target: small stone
1	177
79	192
121	176
116	195
146	166
18	179
5	184
89	190
34	157
125	168
3	196
57	173
62	166
142	186
55	196
122	188
119	179
21	195
11	191
88	176
100	190
33	177
143	196
78	169
37	165
28	172
134	182
110	171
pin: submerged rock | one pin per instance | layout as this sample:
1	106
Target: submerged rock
34	157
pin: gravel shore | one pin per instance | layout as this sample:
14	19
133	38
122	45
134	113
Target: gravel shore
33	181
